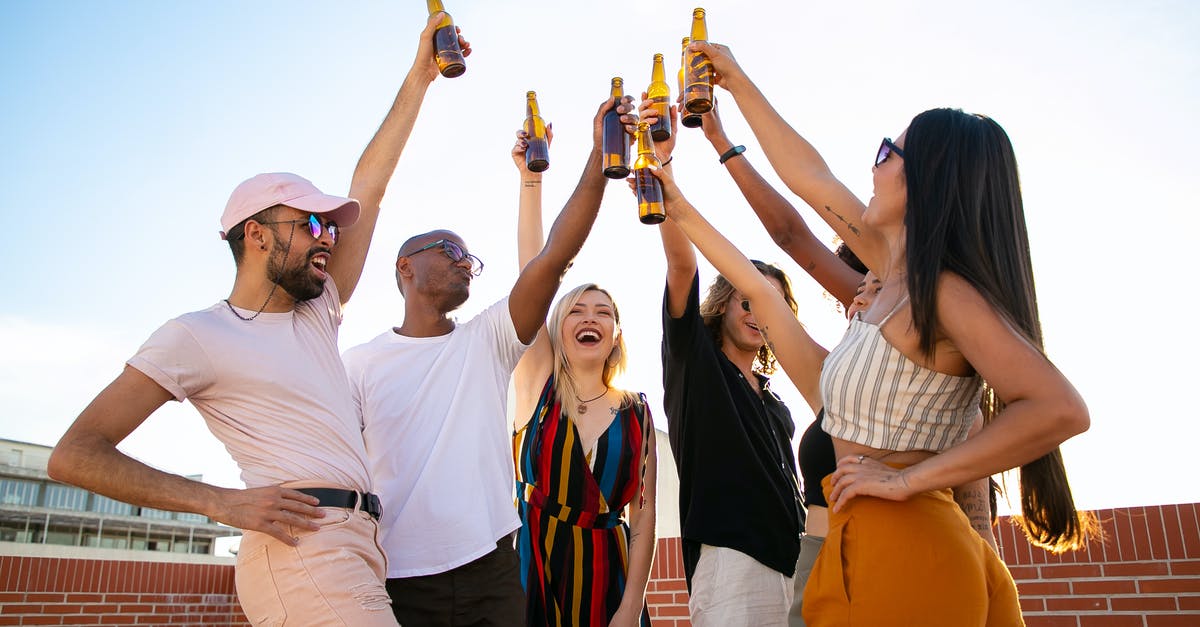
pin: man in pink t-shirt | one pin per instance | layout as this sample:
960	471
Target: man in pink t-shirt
262	368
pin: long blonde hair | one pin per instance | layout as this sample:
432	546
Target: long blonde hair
565	385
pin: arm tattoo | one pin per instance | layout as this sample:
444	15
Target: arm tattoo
531	183
849	225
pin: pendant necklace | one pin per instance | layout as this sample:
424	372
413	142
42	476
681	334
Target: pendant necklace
582	407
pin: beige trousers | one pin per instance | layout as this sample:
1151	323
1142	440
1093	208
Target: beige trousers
334	576
732	589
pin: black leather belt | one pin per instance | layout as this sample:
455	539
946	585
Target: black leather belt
349	499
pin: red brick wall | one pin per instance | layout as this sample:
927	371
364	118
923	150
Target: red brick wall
1146	573
58	591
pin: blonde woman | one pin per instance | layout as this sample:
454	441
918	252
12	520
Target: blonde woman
584	453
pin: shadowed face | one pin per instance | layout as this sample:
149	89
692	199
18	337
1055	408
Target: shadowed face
739	325
887	205
427	270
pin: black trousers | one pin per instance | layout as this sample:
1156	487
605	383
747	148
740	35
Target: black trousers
485	592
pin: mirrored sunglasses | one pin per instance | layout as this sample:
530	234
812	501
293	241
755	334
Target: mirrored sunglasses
886	149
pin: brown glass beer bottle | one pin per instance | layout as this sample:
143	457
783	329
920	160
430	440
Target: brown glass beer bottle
446	50
649	188
698	94
537	146
615	145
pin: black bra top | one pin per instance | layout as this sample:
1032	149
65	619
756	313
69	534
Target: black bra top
816	460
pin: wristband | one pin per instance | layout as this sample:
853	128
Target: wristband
732	152
664	163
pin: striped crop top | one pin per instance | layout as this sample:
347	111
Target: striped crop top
876	396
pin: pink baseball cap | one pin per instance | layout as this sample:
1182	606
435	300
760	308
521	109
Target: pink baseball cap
284	188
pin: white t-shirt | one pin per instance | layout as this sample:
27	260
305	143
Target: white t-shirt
273	389
434	415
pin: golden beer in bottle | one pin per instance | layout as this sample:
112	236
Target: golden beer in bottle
615	145
688	119
698	72
649	188
446	50
537	146
659	92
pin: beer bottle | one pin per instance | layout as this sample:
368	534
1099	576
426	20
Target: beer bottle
615	144
688	119
446	51
659	92
698	97
537	151
649	188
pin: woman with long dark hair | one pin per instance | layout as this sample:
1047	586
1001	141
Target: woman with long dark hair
955	318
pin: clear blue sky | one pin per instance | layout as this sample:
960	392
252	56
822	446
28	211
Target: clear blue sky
126	124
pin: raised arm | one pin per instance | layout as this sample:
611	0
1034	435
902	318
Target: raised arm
378	162
800	355
536	363
87	456
681	257
780	218
539	280
796	162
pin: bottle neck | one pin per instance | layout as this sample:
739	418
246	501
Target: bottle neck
658	74
435	6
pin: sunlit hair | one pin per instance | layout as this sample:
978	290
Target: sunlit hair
237	235
712	310
565	384
965	215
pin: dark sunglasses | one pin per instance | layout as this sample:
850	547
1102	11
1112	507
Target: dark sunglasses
314	226
454	252
886	148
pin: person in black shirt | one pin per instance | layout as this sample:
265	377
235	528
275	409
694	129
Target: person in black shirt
739	501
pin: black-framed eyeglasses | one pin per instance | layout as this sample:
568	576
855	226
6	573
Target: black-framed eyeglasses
886	149
315	226
454	252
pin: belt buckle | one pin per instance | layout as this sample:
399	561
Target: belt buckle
370	504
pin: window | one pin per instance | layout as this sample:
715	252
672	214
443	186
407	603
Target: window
105	505
156	514
66	497
19	492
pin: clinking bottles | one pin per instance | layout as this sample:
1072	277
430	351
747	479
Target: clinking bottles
649	188
537	151
687	118
615	145
698	94
660	94
446	51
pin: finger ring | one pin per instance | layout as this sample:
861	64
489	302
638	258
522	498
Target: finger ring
861	458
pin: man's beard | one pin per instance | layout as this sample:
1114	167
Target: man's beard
298	280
